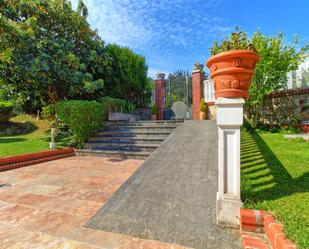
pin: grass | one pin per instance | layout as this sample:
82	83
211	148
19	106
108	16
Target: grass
275	177
35	136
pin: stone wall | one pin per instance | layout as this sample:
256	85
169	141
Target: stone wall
286	107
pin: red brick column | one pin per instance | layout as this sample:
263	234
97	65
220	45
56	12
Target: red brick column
160	94
197	93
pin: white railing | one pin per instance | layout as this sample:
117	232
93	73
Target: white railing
209	91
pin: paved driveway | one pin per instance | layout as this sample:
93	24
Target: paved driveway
46	205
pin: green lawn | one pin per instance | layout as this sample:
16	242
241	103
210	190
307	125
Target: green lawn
275	177
35	137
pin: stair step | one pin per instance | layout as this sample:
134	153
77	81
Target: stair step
127	140
121	146
131	133
134	128
115	154
146	123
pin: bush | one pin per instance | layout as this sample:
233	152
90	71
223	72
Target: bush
237	41
48	113
6	111
82	118
110	104
154	109
203	106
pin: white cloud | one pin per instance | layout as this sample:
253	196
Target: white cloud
161	30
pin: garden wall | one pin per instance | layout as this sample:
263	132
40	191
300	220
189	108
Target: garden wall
286	107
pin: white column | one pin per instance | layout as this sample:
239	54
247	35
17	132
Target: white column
52	144
229	120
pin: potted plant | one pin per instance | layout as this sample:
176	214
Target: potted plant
232	66
154	112
203	109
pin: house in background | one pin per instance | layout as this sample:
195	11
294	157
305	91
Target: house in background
300	77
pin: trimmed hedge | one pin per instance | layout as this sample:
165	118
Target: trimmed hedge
6	111
82	117
110	104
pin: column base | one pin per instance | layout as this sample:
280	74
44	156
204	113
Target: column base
228	212
52	145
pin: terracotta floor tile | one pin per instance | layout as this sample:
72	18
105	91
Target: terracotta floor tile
41	189
99	238
48	204
17	214
32	199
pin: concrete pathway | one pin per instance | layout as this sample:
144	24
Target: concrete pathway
172	196
46	205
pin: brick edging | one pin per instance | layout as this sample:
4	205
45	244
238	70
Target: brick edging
14	162
258	222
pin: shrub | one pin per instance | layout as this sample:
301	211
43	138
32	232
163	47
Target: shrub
6	111
203	106
49	113
154	109
110	104
82	118
237	40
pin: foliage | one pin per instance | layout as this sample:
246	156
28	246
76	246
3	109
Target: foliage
6	110
81	117
49	114
48	52
170	99
238	40
274	177
126	76
154	109
203	106
277	59
110	104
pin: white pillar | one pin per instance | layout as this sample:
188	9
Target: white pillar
52	144
229	120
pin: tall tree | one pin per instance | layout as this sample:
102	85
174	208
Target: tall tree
277	59
82	8
126	75
48	51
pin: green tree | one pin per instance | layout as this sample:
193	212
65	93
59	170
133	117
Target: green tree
277	59
126	76
48	52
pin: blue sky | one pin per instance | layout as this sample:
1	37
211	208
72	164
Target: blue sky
174	34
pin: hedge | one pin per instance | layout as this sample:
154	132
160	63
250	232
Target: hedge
6	110
82	117
110	104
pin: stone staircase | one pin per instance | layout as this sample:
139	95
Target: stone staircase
128	139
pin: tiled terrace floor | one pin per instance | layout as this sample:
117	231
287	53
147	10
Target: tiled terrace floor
48	204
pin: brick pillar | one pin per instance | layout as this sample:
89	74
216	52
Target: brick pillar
160	94
197	93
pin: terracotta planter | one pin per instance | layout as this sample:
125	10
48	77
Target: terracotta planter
202	115
232	72
154	117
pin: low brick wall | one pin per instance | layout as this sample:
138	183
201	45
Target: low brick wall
282	107
254	222
18	161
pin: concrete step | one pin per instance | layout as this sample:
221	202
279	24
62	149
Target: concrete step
122	146
116	154
128	140
132	133
146	123
143	128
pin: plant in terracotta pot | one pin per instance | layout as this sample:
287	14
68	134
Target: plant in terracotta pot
203	109
154	112
232	66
